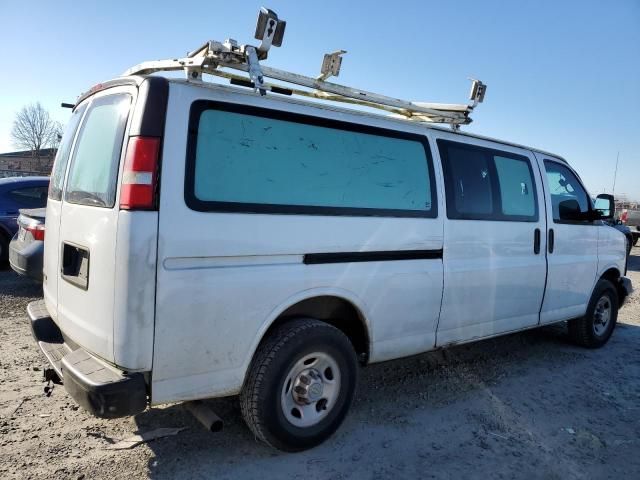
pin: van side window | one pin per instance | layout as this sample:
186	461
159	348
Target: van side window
469	189
94	166
486	184
62	158
516	185
567	193
248	159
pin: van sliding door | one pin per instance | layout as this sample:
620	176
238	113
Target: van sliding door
494	262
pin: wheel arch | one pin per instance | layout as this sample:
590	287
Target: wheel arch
4	231
5	235
614	275
336	307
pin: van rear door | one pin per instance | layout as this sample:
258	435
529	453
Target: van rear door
88	223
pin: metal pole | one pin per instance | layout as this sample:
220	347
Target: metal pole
615	174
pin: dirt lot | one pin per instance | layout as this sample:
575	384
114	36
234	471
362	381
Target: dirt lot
528	405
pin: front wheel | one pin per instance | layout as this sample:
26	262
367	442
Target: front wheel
594	329
300	385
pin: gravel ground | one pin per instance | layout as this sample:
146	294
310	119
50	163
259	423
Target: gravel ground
527	405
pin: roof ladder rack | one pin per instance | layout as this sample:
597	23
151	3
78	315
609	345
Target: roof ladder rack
212	57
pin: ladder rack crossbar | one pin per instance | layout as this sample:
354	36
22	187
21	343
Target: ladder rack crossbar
213	56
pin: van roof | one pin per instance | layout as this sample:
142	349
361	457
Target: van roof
138	79
329	106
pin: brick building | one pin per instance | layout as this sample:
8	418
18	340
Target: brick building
25	163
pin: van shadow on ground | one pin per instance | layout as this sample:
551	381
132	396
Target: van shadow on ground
398	405
633	264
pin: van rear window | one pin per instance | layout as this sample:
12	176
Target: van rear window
258	160
62	157
94	167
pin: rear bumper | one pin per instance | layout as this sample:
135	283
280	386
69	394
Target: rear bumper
97	387
26	259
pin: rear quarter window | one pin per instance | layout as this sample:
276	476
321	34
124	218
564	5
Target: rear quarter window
257	160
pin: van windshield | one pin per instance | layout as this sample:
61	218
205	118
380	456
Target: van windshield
94	167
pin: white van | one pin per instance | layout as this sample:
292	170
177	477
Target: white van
205	241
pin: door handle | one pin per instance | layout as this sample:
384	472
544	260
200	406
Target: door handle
551	240
75	265
536	241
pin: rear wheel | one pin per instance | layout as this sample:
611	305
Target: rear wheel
300	385
595	328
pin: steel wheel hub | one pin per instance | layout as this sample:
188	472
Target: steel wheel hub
310	390
602	315
307	387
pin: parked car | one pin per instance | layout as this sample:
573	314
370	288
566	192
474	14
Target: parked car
633	222
17	193
292	241
27	246
633	218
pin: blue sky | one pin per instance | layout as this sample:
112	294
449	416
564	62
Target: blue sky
562	76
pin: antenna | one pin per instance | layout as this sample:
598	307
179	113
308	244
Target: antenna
216	58
615	174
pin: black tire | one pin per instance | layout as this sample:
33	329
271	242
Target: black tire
261	399
588	331
4	250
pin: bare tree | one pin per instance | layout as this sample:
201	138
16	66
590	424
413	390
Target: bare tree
33	129
58	130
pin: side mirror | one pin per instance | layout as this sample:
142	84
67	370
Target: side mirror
570	210
604	206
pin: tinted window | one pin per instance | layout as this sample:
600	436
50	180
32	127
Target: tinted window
565	190
62	157
469	185
516	186
265	161
94	168
486	184
30	197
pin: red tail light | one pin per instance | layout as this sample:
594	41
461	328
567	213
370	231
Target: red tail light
37	231
140	174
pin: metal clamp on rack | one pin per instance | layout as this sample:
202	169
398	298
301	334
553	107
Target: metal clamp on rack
213	57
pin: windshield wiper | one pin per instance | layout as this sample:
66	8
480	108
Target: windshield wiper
80	196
